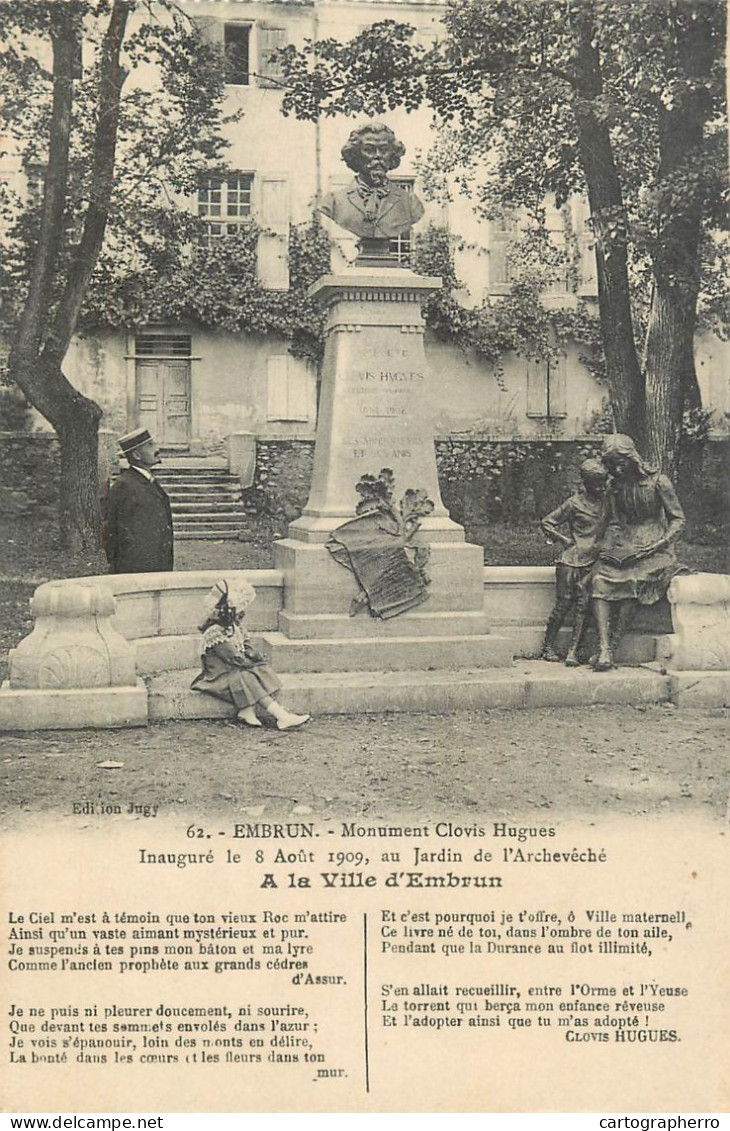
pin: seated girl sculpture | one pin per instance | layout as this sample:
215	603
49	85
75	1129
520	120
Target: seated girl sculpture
636	560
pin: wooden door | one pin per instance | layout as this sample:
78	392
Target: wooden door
176	404
163	400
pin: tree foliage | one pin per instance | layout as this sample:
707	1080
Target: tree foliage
518	322
181	276
119	102
623	103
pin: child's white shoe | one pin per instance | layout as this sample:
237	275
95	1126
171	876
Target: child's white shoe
249	717
286	720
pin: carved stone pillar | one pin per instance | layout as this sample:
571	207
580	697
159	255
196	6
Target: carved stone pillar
74	669
73	643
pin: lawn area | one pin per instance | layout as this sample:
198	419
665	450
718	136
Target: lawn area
30	553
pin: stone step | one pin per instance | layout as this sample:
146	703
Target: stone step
196	489
209	529
531	683
381	653
209	535
174	476
203	528
168	653
635	647
175	461
208	518
224	507
328	626
204	493
199	482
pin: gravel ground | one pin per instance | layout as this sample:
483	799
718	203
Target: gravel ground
589	762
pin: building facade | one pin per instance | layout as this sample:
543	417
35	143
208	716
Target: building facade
195	386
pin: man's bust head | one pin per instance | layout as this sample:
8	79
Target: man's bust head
372	206
372	151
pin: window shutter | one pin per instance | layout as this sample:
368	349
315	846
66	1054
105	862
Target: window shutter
298	389
288	388
500	235
556	228
276	374
270	39
537	388
273	246
557	404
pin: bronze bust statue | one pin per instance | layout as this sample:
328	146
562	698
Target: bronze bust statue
372	206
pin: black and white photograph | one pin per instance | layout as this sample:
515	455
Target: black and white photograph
364	516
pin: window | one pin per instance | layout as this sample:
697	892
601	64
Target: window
162	344
402	245
546	389
236	42
588	283
225	203
556	225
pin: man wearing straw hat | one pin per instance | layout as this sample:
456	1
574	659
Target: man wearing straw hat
139	519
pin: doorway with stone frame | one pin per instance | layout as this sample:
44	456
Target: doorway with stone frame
162	388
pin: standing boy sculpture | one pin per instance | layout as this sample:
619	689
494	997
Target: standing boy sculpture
578	524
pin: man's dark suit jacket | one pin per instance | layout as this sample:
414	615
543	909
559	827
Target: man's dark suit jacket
397	212
139	526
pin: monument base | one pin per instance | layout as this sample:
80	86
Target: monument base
375	443
315	584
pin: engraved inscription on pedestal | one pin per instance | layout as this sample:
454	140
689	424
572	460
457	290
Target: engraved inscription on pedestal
375	404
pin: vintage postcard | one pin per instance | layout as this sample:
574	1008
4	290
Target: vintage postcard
363	426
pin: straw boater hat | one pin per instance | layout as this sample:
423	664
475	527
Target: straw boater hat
134	440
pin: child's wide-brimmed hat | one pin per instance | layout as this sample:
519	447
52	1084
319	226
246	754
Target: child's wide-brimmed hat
239	594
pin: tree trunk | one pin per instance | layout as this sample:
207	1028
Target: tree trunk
75	419
80	504
43	337
608	220
669	339
626	383
671	379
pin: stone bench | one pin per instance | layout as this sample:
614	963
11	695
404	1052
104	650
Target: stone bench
96	638
520	599
104	648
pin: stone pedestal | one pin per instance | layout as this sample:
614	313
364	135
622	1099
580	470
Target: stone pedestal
374	409
374	413
74	643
